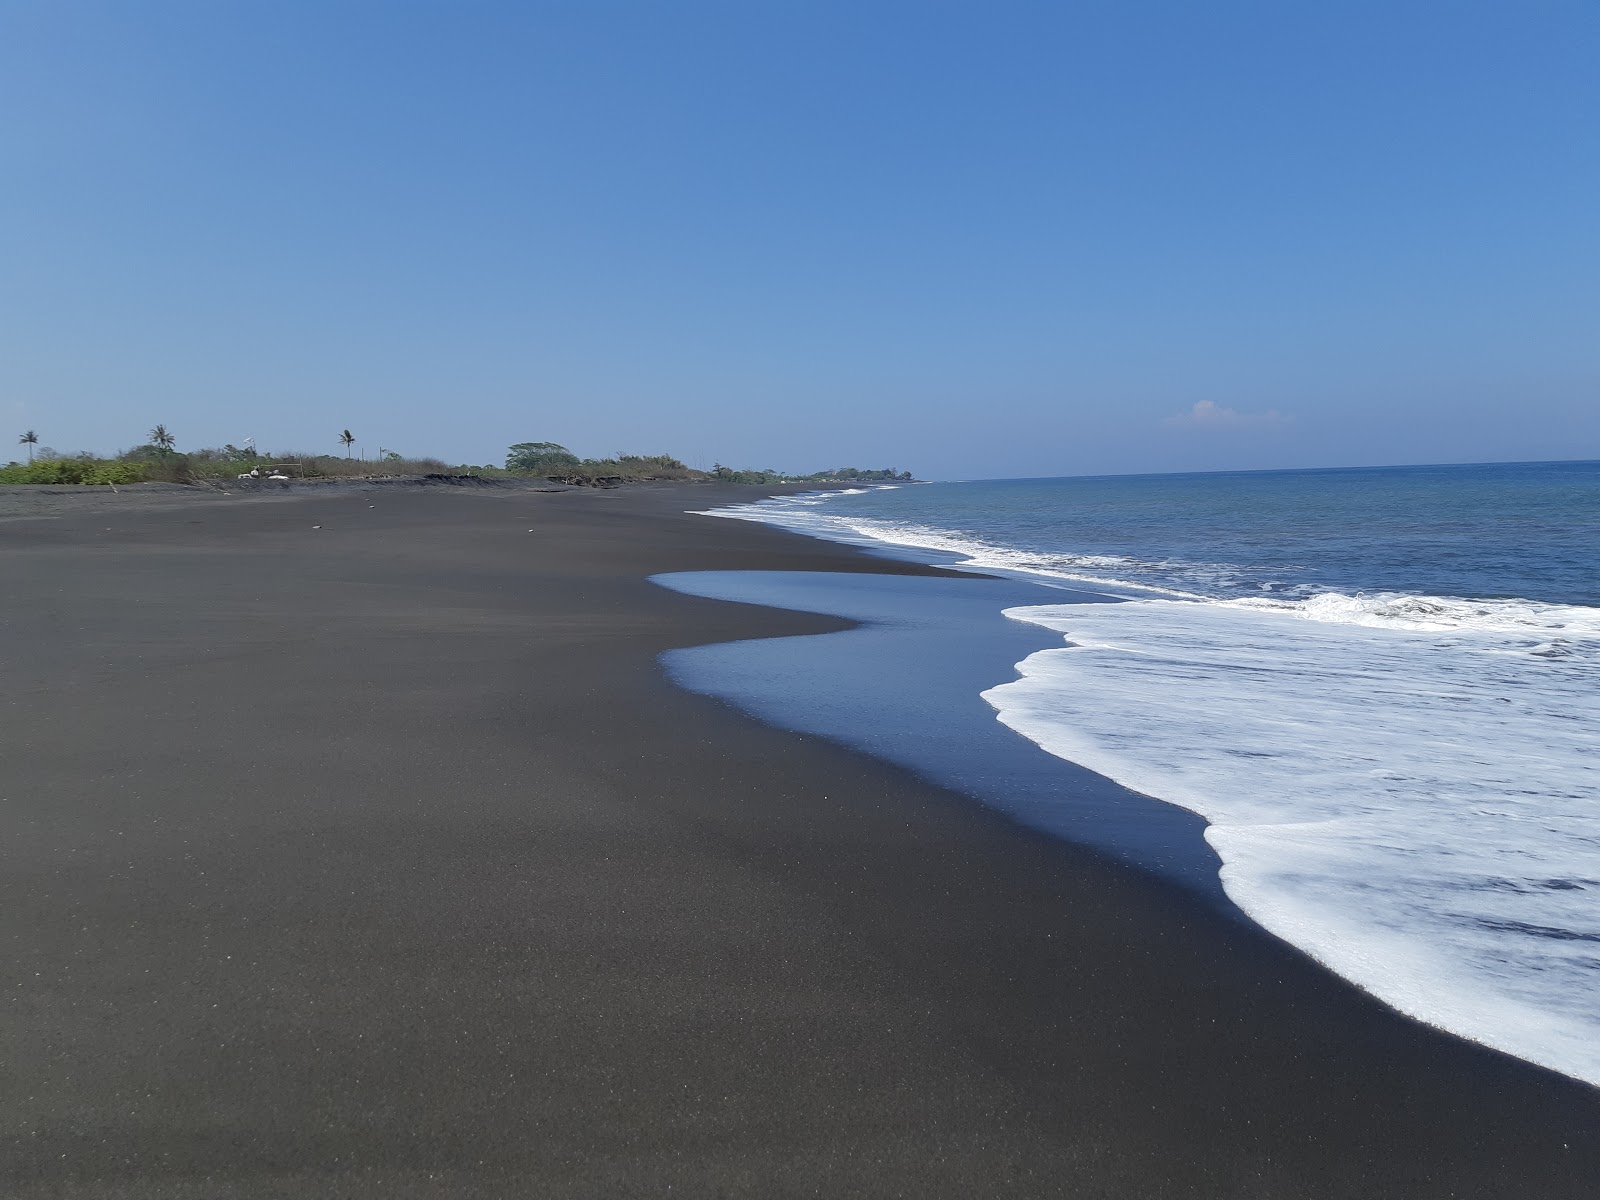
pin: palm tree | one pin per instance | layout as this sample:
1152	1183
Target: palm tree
30	440
162	440
347	439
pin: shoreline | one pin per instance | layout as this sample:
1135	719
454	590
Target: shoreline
906	684
411	873
1397	918
25	501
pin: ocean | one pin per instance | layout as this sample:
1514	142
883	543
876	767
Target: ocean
1371	692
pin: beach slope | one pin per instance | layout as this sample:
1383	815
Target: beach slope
357	845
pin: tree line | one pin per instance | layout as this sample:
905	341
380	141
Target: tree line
158	459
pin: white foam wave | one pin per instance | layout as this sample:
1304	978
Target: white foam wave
1407	787
1405	794
805	514
1438	614
1552	628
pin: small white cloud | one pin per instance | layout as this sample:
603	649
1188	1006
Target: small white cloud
1208	414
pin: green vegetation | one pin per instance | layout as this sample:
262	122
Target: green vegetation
551	460
536	458
837	475
158	460
231	462
79	470
554	461
856	475
724	474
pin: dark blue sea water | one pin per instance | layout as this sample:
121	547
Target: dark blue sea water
1515	530
1377	689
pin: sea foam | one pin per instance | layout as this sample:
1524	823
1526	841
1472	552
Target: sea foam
809	513
1404	785
1415	803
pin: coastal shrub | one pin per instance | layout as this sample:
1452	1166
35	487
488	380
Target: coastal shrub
837	475
157	463
316	466
117	472
649	462
635	467
229	462
218	462
724	474
856	475
554	461
148	452
84	469
153	463
540	458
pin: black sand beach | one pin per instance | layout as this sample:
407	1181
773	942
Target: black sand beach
367	852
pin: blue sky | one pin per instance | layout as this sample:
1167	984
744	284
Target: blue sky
979	239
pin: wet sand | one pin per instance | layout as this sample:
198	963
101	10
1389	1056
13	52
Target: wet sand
381	859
